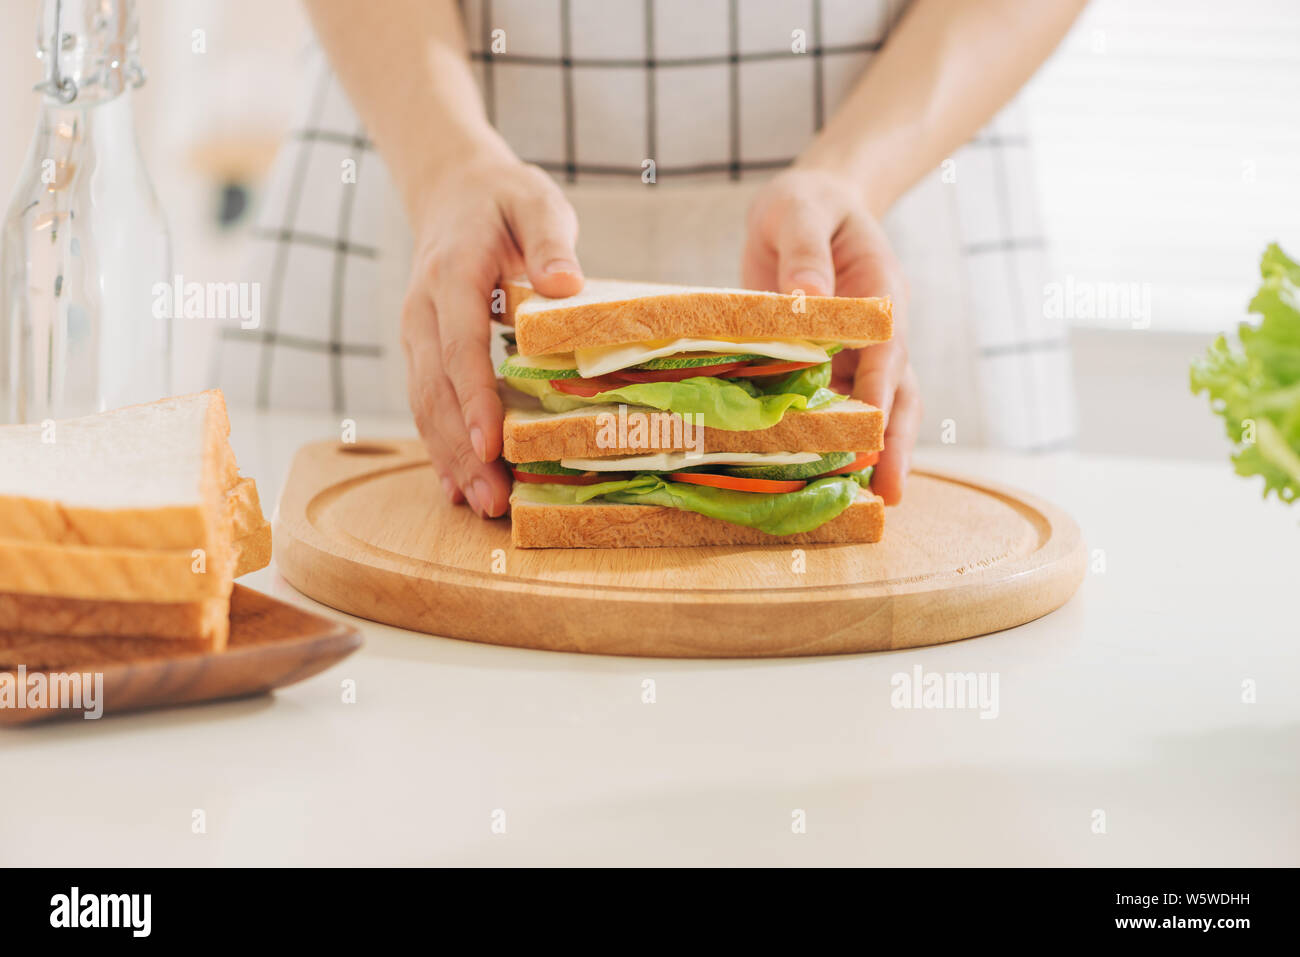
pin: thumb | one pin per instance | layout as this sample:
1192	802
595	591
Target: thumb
546	229
803	249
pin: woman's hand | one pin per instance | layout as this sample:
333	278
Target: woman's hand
811	230
484	218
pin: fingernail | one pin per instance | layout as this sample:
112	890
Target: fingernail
482	495
559	266
476	440
449	489
812	284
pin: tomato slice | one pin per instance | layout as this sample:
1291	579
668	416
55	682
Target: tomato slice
774	368
566	479
674	375
586	388
770	486
857	465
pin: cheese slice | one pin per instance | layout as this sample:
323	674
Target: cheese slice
672	461
599	360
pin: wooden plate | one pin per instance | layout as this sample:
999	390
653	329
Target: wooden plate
272	644
364	528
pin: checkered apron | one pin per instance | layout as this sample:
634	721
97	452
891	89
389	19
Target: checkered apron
714	92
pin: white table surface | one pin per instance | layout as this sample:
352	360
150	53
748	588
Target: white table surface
1127	700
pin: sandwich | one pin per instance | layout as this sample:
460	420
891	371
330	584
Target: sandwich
642	415
128	524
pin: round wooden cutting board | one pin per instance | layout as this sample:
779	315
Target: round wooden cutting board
367	530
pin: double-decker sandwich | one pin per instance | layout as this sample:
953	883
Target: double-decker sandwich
644	415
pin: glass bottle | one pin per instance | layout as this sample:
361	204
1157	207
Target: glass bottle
85	246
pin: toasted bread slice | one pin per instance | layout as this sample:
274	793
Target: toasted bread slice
204	621
129	574
151	476
120	574
611	311
31	617
39	652
58	547
534	435
598	524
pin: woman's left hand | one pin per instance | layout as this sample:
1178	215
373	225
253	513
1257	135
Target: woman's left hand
810	230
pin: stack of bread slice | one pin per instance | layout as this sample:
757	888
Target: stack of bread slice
131	524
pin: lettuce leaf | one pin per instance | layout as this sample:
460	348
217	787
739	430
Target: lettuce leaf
787	513
735	405
1256	388
812	383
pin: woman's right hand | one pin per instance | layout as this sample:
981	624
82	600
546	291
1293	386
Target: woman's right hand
483	219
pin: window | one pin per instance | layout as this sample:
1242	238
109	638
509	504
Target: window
1167	136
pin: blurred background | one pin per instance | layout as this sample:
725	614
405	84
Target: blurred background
1166	137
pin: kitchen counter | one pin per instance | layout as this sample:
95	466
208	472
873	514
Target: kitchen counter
1121	735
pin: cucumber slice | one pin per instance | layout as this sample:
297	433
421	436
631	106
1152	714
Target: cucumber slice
545	468
689	360
806	470
539	367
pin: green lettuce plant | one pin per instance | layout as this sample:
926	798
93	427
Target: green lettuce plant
1255	384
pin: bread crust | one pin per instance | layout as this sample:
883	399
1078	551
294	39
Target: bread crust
123	574
610	525
544	327
848	426
86	651
32	617
245	508
206	621
253	551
